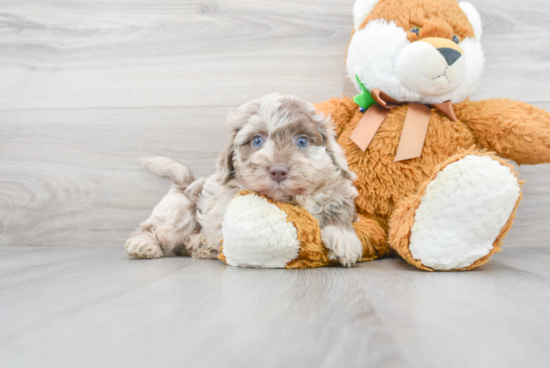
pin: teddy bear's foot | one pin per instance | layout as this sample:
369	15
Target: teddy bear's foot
460	216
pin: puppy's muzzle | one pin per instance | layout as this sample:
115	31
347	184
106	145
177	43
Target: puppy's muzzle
278	172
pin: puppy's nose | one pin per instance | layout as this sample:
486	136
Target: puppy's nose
278	172
450	55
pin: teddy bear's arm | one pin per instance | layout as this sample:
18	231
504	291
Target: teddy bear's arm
341	111
514	130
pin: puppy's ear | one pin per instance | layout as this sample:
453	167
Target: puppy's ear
336	153
224	163
235	120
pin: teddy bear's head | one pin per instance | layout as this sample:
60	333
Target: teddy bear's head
426	51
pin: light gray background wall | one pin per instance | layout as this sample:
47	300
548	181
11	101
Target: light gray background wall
86	87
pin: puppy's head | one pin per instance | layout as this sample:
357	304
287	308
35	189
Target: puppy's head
281	147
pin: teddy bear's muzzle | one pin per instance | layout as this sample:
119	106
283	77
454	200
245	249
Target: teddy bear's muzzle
450	50
432	66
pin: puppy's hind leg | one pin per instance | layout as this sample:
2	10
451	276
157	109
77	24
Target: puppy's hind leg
143	245
167	232
172	222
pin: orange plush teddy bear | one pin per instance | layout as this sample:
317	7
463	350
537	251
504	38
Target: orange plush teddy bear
432	186
427	158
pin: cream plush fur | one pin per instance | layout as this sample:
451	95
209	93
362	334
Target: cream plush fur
256	234
473	17
462	212
361	9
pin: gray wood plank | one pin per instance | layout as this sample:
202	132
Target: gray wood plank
127	53
138	53
90	307
532	225
71	177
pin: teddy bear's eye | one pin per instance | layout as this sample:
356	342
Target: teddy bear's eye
456	39
415	30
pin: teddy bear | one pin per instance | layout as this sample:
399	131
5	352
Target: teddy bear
429	162
434	184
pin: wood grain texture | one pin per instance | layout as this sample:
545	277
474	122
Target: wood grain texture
88	87
136	53
90	307
73	176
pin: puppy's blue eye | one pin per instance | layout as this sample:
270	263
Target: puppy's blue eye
257	141
456	39
302	142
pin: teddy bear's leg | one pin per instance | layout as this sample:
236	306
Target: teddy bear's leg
373	237
460	215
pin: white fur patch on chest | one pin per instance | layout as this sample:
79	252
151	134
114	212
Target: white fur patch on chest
462	212
256	234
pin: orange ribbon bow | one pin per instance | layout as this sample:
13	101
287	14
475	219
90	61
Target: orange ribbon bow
414	130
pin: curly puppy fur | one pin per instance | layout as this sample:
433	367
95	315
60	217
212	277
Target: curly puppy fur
188	220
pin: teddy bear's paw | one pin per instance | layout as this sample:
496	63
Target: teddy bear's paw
256	233
462	213
343	244
143	246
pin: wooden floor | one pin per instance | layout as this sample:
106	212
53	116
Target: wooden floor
87	87
92	307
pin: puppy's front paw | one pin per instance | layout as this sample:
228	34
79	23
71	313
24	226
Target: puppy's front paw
342	243
206	253
142	246
202	248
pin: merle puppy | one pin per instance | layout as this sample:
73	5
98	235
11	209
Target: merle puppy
280	147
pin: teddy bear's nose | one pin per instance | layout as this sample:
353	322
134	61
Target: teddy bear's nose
447	48
450	55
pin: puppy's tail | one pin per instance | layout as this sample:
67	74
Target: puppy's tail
168	168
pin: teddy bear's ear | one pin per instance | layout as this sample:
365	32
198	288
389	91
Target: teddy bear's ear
361	10
473	17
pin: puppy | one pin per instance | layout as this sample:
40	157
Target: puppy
280	147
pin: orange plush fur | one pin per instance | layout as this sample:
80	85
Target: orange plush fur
390	192
436	18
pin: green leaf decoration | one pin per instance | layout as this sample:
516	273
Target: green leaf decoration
364	99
